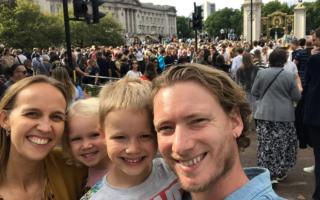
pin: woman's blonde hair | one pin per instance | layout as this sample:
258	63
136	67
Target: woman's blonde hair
8	103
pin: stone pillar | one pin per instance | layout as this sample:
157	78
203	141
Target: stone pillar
126	18
299	21
256	19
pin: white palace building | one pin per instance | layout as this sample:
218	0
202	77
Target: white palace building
136	18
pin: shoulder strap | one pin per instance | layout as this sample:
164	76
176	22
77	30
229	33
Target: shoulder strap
276	76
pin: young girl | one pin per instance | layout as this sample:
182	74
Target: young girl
83	140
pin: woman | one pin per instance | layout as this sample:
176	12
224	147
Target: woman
32	119
245	76
61	74
257	59
134	71
276	90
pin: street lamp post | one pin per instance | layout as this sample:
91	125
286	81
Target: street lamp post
251	22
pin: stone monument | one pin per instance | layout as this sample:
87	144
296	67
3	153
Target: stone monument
256	19
300	20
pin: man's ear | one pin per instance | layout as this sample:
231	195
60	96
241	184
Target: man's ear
236	122
4	120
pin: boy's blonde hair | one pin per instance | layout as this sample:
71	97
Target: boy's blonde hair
125	94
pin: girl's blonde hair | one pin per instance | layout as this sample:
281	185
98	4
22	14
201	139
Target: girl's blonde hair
88	108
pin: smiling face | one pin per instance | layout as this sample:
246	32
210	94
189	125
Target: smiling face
195	136
36	122
87	144
131	144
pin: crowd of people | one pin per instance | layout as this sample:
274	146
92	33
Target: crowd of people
194	105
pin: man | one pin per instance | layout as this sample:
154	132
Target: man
302	58
200	116
236	62
311	115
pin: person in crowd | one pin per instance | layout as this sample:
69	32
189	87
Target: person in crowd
28	65
256	46
126	120
20	58
311	115
213	55
61	74
46	64
32	119
161	58
301	60
201	118
83	141
277	90
184	58
245	77
257	59
295	48
111	66
134	71
103	67
150	72
169	58
221	64
93	71
292	67
7	59
15	73
265	55
81	66
236	62
141	62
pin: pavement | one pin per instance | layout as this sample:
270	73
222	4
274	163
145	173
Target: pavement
299	185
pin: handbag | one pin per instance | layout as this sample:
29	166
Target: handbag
265	91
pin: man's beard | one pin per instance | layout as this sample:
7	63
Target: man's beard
214	179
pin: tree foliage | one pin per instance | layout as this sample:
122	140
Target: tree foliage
226	19
107	32
24	26
274	6
183	29
313	15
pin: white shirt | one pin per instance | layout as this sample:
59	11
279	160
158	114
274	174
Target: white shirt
236	63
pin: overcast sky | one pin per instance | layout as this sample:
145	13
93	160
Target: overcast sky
185	7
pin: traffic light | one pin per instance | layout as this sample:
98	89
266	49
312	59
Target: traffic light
197	18
96	15
80	8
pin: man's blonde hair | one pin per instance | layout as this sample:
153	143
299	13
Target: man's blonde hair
218	83
125	94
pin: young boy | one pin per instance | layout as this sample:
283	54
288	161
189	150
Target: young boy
126	121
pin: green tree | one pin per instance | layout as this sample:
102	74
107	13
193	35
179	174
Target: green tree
183	28
24	26
226	19
274	6
106	32
313	15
